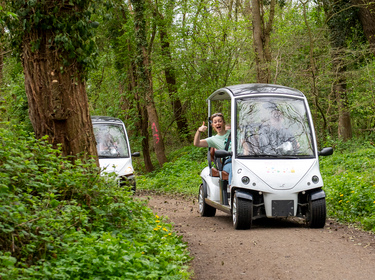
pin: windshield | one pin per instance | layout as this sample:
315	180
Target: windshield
273	127
111	141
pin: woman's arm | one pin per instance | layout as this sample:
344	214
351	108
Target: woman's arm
197	138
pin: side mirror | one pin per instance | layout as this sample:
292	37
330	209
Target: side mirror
136	154
326	151
222	154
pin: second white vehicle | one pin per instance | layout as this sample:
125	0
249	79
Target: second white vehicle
114	149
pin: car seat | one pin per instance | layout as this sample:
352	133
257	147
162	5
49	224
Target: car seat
215	171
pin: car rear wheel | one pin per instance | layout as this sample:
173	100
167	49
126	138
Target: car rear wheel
242	212
316	215
204	209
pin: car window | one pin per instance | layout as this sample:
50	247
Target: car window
269	126
111	140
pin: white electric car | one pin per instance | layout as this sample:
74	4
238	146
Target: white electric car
114	149
275	165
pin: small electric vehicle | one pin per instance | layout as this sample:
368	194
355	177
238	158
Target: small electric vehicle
114	149
275	165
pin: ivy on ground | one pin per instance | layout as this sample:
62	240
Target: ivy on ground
60	220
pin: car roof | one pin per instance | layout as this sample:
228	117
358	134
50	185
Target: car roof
249	89
105	119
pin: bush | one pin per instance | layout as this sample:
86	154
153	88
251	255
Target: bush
349	180
180	175
60	220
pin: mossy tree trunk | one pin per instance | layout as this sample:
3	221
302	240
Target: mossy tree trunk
144	78
170	76
131	99
54	40
339	28
367	17
58	105
262	39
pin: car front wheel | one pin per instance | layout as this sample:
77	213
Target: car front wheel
316	215
242	212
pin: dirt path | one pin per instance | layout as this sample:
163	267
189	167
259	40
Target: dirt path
272	249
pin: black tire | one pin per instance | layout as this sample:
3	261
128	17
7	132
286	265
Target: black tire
316	214
128	183
134	187
204	209
242	213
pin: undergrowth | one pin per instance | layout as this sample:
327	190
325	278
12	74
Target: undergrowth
179	175
60	220
349	179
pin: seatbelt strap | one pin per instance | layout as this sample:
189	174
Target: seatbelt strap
228	141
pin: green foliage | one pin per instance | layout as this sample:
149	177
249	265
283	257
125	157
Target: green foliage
13	104
214	49
65	26
179	175
108	84
64	221
349	180
343	21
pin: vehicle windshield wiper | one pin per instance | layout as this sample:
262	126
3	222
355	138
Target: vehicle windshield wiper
258	156
115	156
288	157
269	156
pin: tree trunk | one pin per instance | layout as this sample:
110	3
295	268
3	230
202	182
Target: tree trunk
2	4
170	77
337	24
58	104
339	88
262	39
2	49
367	18
313	69
1	65
145	79
142	120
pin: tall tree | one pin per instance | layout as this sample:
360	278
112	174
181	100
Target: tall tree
211	48
367	17
54	40
144	78
339	15
1	64
119	29
170	74
262	38
312	67
2	5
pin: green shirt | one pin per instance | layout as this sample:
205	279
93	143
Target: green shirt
219	141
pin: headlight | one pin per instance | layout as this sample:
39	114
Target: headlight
315	179
129	170
245	180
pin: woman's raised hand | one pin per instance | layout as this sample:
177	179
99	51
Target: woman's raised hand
202	128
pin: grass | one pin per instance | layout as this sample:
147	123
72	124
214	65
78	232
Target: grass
349	179
180	175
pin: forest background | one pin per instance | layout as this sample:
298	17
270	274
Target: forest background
154	66
154	63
